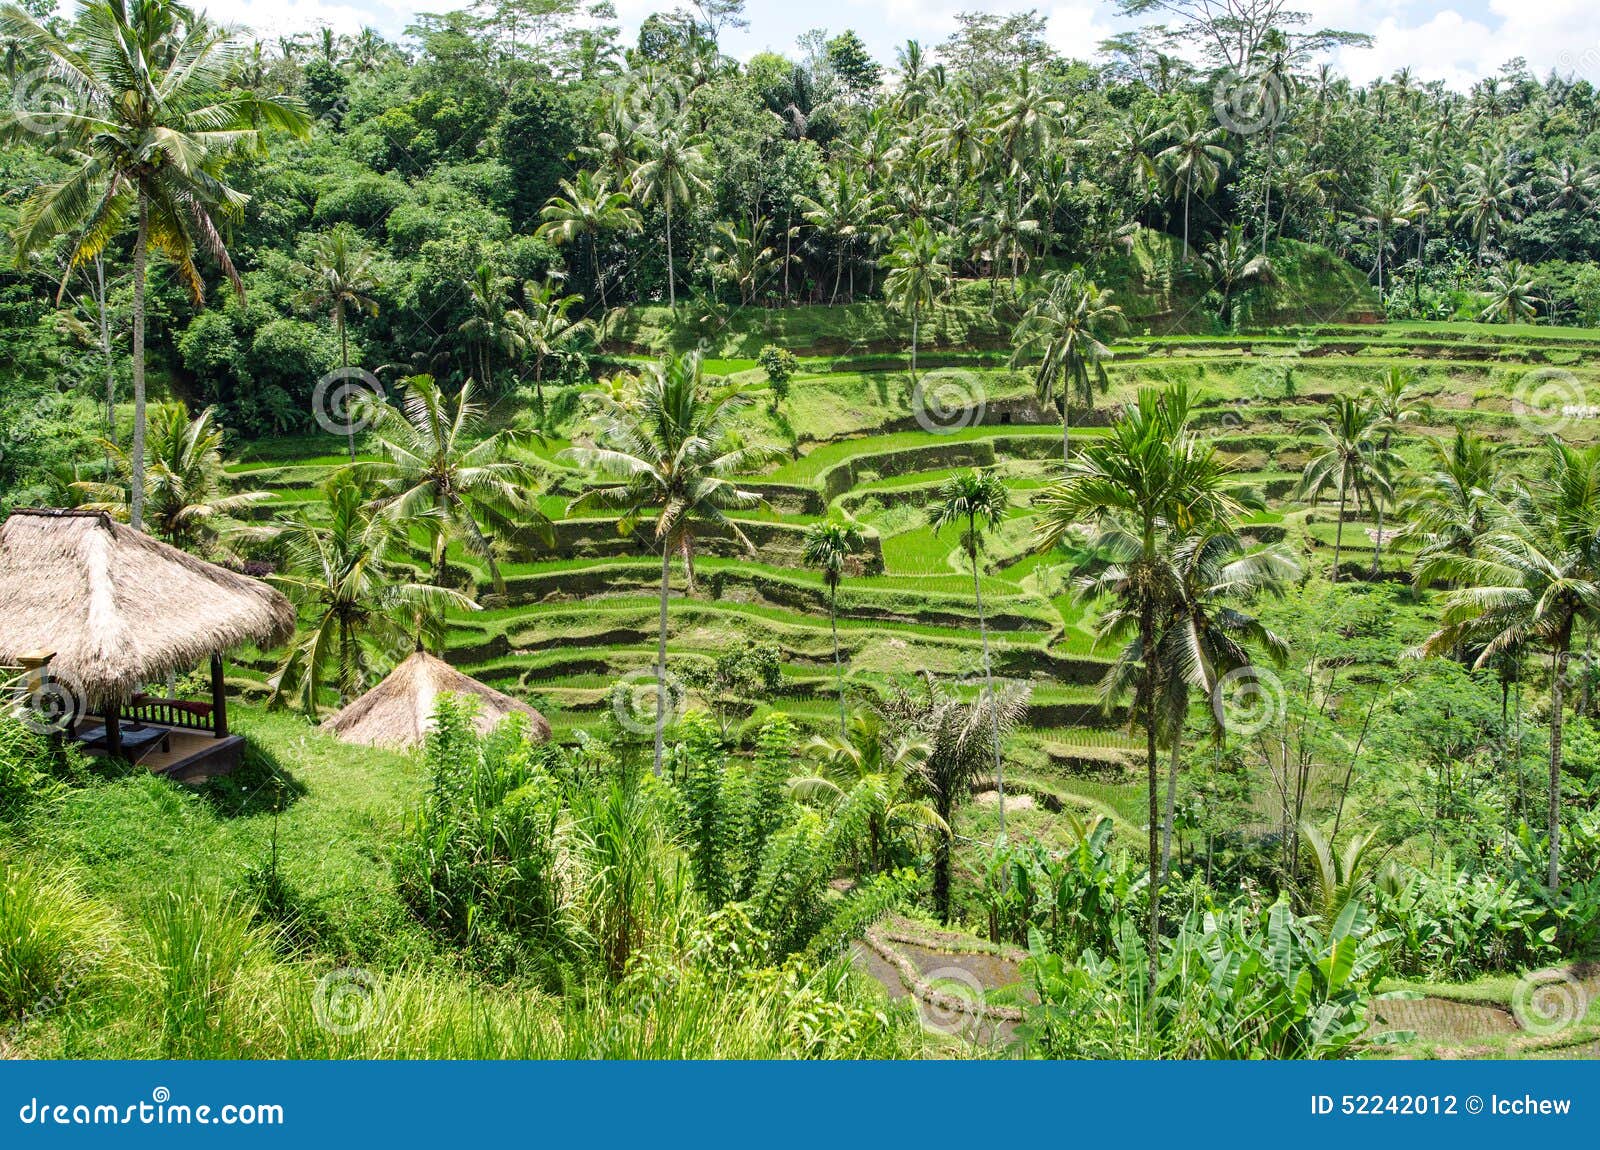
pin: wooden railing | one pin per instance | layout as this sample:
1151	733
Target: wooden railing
170	713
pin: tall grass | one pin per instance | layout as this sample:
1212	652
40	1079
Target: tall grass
51	937
198	949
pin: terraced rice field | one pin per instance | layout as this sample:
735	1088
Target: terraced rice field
578	618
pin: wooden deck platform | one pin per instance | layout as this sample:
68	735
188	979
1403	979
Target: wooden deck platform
190	757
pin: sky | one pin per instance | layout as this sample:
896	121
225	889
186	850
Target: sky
1458	41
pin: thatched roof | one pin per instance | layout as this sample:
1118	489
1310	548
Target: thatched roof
121	609
399	710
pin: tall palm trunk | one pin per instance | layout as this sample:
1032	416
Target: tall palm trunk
988	675
838	666
1066	423
661	658
344	362
1147	632
1172	798
941	861
141	242
914	318
672	302
1557	682
1338	533
1188	191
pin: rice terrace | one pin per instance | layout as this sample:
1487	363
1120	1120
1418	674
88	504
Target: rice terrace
529	541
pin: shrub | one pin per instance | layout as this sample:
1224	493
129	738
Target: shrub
779	364
1457	923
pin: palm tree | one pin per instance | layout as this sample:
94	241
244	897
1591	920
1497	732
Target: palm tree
918	277
977	503
188	502
1149	477
671	173
486	326
742	254
1065	327
341	570
842	208
1451	505
1194	159
541	327
1349	457
1390	206
953	733
434	470
1391	401
1205	636
1513	295
339	278
1533	578
1488	198
668	451
828	546
865	776
152	121
1231	264
588	210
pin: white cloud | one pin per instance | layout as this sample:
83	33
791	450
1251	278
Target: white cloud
287	17
1076	31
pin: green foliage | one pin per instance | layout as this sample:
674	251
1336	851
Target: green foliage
482	859
1069	902
1456	922
51	935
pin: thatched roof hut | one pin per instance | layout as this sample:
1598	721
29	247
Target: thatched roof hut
119	609
399	711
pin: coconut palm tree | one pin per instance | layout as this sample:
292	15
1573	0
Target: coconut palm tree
865	777
339	278
152	121
486	326
188	497
842	209
1230	265
1451	504
342	569
1389	207
436	469
1487	199
1148	478
1533	578
918	277
1348	457
1391	400
977	503
672	173
1194	160
953	733
669	452
1066	327
1205	635
588	209
541	327
828	546
1513	295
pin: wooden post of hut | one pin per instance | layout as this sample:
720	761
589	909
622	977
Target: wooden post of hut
219	697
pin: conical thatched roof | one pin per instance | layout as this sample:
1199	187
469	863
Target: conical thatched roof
121	609
399	711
